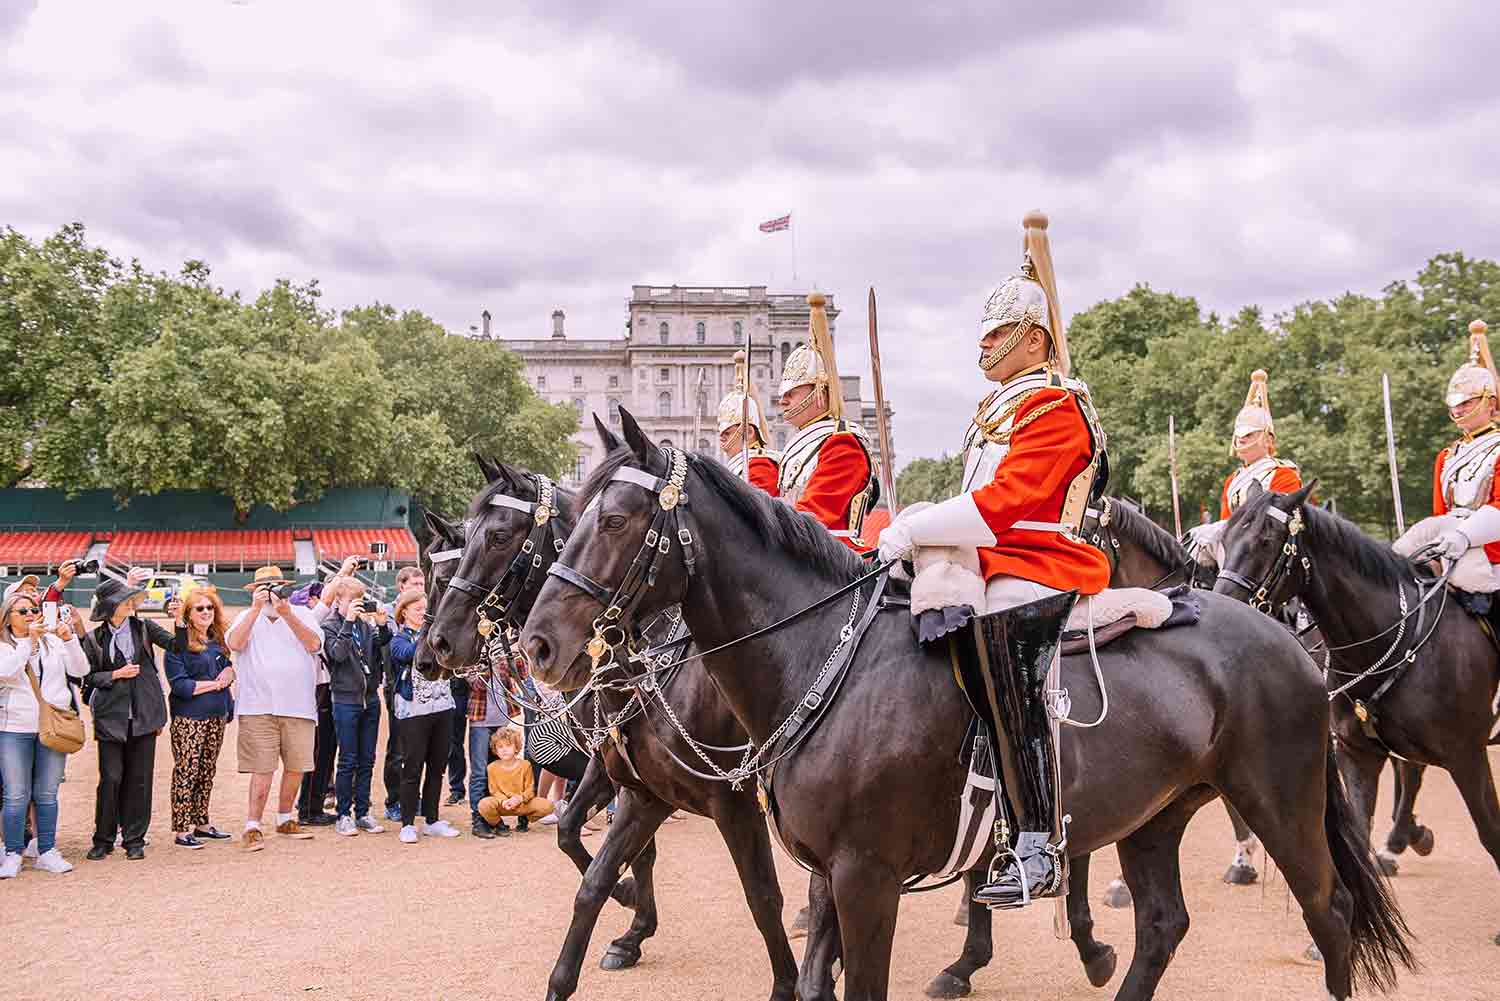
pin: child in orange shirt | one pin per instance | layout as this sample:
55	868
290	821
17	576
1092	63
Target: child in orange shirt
512	783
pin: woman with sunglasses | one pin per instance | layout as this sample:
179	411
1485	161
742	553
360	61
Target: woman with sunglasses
199	675
31	652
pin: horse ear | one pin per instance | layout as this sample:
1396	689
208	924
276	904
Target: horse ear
439	526
1255	489
635	437
1301	495
607	437
488	466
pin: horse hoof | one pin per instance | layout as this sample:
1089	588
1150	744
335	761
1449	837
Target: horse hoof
1425	843
1388	864
1312	954
946	985
625	893
619	959
1241	875
1117	894
1101	969
1497	938
961	916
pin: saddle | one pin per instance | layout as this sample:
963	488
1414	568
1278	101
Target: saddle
1138	609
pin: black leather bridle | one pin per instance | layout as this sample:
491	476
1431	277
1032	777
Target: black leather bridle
522	573
1260	591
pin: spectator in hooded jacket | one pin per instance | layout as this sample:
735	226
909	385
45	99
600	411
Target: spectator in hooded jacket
353	636
32	659
199	673
129	710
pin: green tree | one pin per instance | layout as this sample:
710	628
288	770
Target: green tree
930	479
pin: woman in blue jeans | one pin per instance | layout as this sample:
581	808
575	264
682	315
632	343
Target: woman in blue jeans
353	635
32	658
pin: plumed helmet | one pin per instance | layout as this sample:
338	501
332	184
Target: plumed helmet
813	363
1028	299
1255	415
731	408
1475	377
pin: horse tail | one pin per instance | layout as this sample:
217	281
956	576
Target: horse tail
1381	938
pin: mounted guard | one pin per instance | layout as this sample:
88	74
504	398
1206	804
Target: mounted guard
742	433
1255	446
828	469
1464	482
1034	460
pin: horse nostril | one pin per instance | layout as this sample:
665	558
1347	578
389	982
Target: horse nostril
540	651
440	646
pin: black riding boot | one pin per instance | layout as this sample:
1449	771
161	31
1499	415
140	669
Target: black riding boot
1016	648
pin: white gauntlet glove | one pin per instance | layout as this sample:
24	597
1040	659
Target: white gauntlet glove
1453	544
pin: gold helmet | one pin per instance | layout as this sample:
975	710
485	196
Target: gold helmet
1475	377
813	364
732	407
1027	300
1255	415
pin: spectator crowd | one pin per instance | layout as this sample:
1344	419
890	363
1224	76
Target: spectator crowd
303	673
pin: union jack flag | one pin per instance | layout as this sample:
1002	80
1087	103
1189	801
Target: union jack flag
776	225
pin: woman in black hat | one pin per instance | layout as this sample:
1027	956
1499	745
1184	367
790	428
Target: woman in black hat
124	692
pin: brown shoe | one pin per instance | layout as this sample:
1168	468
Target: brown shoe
292	829
253	840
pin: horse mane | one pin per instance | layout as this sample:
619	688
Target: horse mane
778	525
1328	531
1158	543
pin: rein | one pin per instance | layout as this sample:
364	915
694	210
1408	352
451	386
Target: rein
1105	539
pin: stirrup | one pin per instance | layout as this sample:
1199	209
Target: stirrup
997	894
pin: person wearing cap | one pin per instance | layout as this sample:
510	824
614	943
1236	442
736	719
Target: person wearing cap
1034	460
124	692
1463	477
1255	447
828	469
275	644
734	429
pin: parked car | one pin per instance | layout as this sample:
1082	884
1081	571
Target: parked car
162	587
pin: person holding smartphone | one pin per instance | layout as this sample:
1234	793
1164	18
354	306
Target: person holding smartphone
124	692
354	635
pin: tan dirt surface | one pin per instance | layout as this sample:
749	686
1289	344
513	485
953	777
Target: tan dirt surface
368	917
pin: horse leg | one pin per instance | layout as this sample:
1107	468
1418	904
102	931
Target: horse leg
1098	958
1149	860
1472	776
867	893
593	793
1406	832
636	821
744	832
815	982
1241	871
1361	771
979	945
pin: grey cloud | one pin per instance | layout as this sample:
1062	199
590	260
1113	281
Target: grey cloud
13	17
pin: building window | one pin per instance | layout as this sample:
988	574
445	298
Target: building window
577	382
703	444
666	442
614	410
664	405
578	408
664	374
702	332
739	332
541	382
580	467
614	382
661	331
786	352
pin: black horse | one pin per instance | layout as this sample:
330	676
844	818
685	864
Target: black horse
1406	678
644	757
891	738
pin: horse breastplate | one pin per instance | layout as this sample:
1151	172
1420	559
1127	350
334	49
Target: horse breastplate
1260	471
1469	471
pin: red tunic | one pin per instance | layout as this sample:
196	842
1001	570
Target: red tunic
1031	484
766	474
842	471
1440	503
1284	480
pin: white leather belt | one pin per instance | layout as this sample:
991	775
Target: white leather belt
1043	526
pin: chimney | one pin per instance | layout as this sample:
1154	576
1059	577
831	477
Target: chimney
557	323
485	320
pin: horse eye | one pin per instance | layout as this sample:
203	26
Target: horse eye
494	537
613	523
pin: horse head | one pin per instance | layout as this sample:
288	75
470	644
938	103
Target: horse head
1263	562
440	560
515	527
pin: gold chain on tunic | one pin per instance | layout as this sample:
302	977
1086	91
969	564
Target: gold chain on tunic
989	428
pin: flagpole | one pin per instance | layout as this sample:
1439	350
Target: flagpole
792	228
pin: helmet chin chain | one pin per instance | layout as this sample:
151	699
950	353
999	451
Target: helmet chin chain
796	413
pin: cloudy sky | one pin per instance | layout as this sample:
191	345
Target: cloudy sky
528	155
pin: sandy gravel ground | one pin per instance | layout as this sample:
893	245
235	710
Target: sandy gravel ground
368	917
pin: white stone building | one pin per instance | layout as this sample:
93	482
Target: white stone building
676	362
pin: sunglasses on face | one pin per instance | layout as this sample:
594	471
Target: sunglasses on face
204	608
29	611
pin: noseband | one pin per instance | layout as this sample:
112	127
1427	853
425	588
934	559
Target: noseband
669	520
1260	592
517	579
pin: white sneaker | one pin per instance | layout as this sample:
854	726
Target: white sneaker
345	826
560	807
10	866
53	862
408	835
442	829
30	851
368	825
550	818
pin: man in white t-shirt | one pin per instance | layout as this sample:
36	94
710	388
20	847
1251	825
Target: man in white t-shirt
275	644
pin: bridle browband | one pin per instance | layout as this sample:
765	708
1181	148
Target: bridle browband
669	520
1260	592
518	577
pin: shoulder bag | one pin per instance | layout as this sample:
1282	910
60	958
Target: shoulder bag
59	729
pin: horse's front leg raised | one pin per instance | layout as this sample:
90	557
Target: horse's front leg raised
867	893
593	793
636	822
1406	832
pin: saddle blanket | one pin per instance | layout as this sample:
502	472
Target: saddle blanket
1473	572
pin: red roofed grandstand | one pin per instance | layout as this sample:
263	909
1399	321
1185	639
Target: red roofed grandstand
336	543
158	549
42	548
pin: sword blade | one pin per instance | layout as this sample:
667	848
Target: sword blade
1390	454
1172	467
883	431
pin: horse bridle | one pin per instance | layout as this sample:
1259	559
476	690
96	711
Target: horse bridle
668	521
1260	591
517	578
1104	539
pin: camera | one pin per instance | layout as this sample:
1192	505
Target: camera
88	566
367	605
275	590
